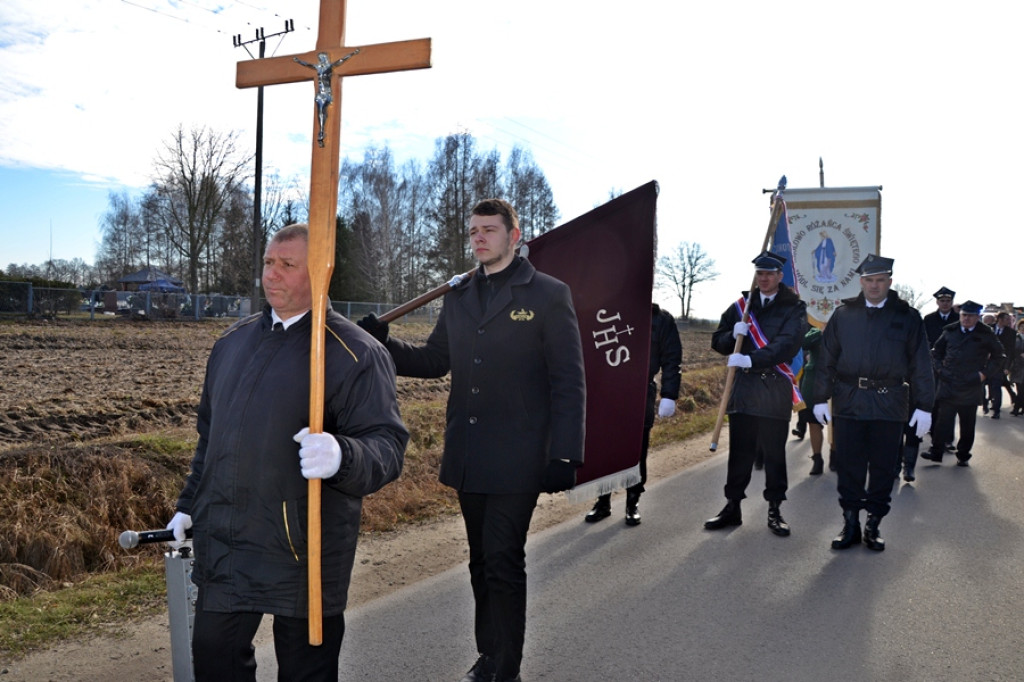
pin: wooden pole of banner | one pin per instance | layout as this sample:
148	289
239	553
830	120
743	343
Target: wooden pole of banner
730	376
425	298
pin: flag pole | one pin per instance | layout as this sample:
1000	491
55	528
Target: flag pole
730	376
425	298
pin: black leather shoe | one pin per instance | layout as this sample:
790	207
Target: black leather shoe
602	509
776	523
962	462
932	456
482	670
908	473
850	534
729	516
950	447
799	433
817	465
632	510
871	538
995	415
759	462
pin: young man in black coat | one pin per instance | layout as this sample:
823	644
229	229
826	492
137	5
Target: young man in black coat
874	357
515	419
761	404
965	357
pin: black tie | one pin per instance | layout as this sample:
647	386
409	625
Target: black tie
767	302
278	326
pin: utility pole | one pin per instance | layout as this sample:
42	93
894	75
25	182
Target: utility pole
257	217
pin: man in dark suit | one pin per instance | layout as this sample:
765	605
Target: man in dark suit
1007	338
515	418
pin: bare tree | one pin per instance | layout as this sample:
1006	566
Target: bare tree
915	298
123	247
451	177
197	173
683	269
527	189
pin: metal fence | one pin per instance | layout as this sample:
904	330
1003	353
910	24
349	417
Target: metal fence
25	299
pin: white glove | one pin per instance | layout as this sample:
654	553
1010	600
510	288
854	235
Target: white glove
739	360
180	523
667	407
822	413
739	329
922	420
320	454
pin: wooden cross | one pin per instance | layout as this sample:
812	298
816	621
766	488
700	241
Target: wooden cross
323	202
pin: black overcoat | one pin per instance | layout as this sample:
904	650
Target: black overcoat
887	344
518	393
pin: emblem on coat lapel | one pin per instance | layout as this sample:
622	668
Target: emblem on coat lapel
521	315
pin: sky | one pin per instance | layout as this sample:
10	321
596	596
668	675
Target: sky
714	100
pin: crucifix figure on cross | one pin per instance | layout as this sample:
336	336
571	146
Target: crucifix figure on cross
330	58
324	72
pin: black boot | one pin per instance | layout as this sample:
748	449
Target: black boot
817	464
831	459
871	538
850	533
776	523
602	509
482	670
909	462
632	513
729	516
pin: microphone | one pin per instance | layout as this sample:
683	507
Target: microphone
131	539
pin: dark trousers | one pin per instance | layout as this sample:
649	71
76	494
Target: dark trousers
946	420
645	442
995	391
222	649
867	453
496	527
748	436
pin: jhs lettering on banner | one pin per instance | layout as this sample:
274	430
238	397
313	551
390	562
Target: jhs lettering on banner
619	354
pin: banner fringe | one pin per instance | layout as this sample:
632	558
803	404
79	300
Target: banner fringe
605	485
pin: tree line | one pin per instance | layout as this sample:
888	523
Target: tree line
401	229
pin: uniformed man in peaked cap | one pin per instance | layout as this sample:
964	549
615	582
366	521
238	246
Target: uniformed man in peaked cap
761	404
874	366
965	356
935	321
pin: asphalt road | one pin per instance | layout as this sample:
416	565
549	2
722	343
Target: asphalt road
670	601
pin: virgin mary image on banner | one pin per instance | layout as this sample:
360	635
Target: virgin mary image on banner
825	259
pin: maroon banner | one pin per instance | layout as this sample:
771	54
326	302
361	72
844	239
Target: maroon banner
606	257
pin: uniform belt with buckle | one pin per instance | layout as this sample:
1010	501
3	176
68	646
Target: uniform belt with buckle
872	384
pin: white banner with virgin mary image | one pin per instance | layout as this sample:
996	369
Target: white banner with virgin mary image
832	229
